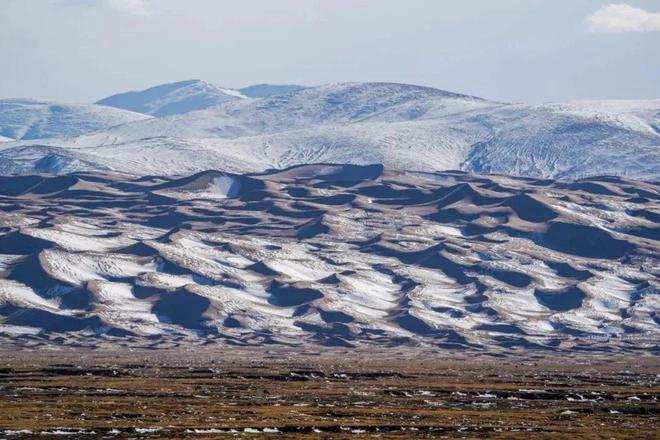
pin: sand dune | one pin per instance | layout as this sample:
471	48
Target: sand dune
336	255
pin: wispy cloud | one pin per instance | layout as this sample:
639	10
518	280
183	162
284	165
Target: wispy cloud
134	7
617	18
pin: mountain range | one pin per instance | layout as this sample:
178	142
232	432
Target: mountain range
27	119
190	126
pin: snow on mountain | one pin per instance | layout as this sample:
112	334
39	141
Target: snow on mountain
265	90
401	146
401	126
46	159
570	140
308	108
171	99
28	119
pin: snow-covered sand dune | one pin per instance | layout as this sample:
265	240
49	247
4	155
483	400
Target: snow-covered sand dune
332	255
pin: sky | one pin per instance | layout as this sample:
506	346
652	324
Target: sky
506	50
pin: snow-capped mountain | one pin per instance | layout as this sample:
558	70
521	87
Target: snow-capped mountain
264	90
28	119
330	254
172	99
308	108
401	126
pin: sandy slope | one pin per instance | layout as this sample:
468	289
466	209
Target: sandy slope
333	255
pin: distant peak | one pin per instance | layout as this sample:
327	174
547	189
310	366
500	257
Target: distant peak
394	87
265	90
172	98
183	83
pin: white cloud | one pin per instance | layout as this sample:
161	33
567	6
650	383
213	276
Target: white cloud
134	7
618	18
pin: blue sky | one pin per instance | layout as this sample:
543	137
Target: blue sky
508	50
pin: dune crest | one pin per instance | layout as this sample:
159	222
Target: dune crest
329	254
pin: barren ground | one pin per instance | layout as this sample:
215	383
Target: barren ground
335	393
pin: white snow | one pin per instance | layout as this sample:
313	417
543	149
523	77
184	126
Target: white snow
401	126
221	187
77	242
116	305
171	99
76	269
20	295
29	119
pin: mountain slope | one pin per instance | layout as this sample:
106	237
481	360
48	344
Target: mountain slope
401	126
28	119
170	99
265	90
570	140
308	108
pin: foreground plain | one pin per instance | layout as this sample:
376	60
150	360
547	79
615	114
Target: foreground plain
250	393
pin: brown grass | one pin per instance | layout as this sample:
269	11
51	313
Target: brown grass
340	394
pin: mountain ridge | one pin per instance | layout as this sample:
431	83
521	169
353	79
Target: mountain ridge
265	90
30	119
401	126
171	98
